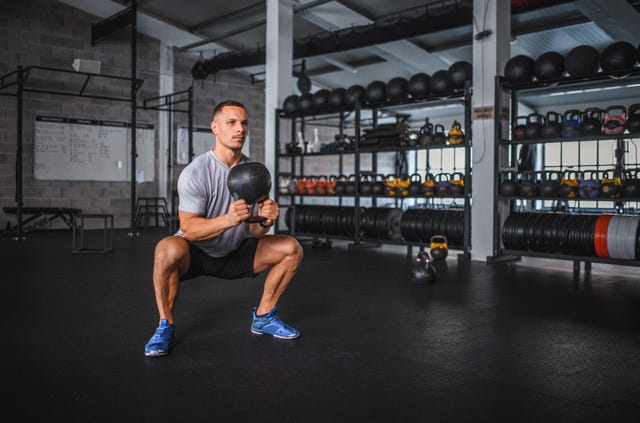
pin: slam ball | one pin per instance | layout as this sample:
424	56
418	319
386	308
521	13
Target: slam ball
354	93
376	92
549	65
617	56
290	104
519	69
397	89
582	61
459	73
336	98
305	103
320	99
439	82
419	85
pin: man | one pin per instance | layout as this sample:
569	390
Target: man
215	240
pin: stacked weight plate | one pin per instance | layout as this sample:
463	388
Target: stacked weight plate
378	223
608	236
421	224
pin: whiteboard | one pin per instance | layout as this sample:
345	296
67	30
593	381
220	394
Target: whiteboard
91	150
203	141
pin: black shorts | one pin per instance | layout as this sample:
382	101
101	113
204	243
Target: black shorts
235	265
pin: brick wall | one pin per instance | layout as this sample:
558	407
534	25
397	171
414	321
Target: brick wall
49	33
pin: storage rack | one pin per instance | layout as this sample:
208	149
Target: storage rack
506	149
297	160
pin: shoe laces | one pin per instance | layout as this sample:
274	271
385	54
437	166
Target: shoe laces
162	333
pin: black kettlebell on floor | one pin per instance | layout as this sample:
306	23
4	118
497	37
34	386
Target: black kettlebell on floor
439	247
631	184
533	127
592	121
508	186
250	181
552	126
633	119
422	271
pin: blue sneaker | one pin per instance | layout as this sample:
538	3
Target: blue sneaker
161	341
270	324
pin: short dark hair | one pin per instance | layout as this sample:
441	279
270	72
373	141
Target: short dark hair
224	104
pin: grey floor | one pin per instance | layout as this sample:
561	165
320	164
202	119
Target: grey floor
521	342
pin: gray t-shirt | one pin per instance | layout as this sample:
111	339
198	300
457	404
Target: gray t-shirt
202	189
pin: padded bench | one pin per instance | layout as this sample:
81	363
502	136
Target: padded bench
34	218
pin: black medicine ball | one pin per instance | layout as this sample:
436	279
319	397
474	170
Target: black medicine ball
354	93
419	85
320	99
582	61
305	103
397	89
549	65
290	104
459	73
519	69
336	98
617	56
376	92
439	82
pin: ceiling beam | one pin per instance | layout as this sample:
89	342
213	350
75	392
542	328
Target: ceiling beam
615	17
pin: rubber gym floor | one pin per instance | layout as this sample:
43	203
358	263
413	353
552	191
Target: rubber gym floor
527	341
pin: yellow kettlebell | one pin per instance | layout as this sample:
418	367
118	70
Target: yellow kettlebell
455	135
439	247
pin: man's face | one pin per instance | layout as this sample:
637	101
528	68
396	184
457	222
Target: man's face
230	127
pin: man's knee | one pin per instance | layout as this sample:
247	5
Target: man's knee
170	251
292	248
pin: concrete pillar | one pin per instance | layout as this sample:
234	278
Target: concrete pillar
490	53
279	65
165	86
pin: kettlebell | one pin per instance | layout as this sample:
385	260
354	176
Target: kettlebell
508	186
283	184
533	126
614	123
402	185
549	184
571	124
633	119
519	130
426	134
390	185
378	185
442	184
439	136
527	185
341	185
331	185
592	121
366	185
439	247
631	184
350	185
610	186
589	187
568	186
456	184
455	136
429	186
552	126
415	185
